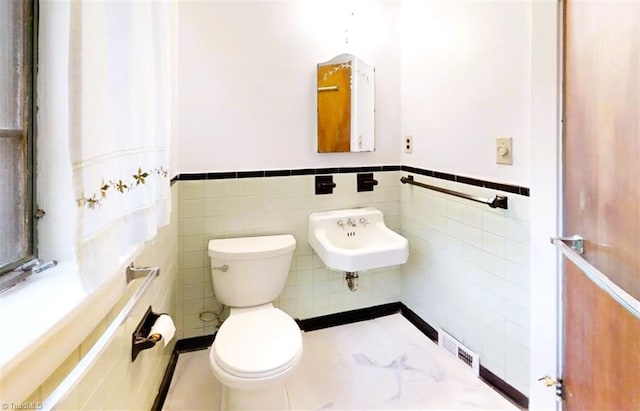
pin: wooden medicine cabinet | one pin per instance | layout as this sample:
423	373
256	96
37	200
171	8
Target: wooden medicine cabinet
345	105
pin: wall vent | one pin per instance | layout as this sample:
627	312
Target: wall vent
459	351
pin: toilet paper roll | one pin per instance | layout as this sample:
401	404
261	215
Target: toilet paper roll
165	327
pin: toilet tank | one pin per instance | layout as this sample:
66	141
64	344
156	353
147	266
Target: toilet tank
257	268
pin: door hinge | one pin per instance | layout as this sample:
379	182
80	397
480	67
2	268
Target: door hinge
558	384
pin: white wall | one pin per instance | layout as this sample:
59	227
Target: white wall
545	200
173	144
247	79
465	81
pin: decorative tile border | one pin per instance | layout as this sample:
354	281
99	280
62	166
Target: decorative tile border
281	173
523	191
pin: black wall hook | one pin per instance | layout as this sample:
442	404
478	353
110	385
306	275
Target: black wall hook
366	182
325	184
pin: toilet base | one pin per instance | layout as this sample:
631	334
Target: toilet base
271	397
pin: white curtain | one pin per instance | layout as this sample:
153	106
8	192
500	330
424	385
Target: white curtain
119	128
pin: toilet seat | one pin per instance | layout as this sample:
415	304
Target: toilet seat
257	344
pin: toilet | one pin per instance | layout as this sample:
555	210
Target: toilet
258	345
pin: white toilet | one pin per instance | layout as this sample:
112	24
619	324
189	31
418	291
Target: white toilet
258	345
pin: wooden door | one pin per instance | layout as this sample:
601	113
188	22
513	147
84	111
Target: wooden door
334	108
601	353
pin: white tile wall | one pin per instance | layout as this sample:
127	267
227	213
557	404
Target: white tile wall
274	205
468	272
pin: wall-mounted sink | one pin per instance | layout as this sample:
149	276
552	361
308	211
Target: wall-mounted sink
356	239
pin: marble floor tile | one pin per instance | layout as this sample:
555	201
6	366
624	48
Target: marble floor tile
193	386
385	363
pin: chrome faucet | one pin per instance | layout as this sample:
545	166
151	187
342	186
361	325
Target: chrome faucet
351	222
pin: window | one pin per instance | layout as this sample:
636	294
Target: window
17	73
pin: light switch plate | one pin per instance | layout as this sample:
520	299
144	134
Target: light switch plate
504	151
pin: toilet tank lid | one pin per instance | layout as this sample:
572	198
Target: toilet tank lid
249	248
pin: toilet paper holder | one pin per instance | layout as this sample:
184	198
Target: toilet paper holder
140	339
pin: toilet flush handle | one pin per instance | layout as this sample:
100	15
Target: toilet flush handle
224	268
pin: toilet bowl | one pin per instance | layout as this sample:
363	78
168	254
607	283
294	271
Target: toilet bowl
258	345
253	353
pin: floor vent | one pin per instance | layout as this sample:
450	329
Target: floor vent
459	351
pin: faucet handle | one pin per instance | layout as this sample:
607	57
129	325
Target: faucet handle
340	224
364	221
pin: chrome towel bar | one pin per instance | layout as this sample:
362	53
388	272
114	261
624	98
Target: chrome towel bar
81	369
134	273
573	251
493	202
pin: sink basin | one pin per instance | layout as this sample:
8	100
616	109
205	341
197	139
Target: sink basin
356	239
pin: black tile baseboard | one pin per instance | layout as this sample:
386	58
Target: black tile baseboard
490	378
348	317
333	320
502	387
419	323
184	345
523	191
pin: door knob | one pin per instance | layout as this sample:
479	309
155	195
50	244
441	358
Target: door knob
548	381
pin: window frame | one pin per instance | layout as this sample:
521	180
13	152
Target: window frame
29	128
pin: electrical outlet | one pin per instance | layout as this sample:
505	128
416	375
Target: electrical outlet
503	151
408	144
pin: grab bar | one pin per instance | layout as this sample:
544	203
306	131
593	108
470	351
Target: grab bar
598	277
82	367
494	202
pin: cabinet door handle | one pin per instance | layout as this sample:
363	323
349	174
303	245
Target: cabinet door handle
328	88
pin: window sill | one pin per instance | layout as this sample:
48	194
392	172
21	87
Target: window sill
32	308
44	319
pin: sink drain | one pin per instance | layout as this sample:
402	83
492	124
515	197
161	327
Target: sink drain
352	280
